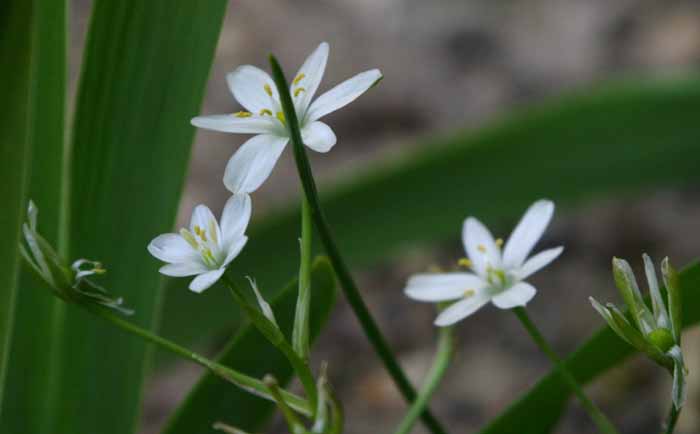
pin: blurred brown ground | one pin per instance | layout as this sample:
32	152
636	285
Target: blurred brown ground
450	64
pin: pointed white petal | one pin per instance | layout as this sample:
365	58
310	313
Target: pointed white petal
235	217
172	248
442	286
480	246
250	86
183	269
342	94
201	217
231	123
537	262
526	234
205	280
252	164
307	79
461	310
234	248
517	295
318	136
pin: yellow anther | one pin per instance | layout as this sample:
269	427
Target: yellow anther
243	114
98	268
499	242
187	235
464	262
280	116
298	90
264	112
481	248
469	293
268	89
212	231
201	233
298	78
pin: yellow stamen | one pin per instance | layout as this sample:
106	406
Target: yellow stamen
469	293
298	78
280	116
464	262
187	235
499	242
98	268
481	248
265	112
212	231
268	89
201	233
298	90
243	114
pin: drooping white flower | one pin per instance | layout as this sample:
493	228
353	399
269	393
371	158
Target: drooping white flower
497	274
206	248
255	90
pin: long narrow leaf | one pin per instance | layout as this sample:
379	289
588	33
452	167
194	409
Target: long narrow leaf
214	400
35	339
539	410
144	72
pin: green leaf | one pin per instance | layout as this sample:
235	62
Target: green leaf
17	88
618	139
214	400
539	410
35	343
143	77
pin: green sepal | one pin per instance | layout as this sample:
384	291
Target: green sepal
671	280
627	284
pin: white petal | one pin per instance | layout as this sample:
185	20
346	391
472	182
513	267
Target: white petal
308	78
526	234
234	248
205	280
172	248
251	165
517	295
342	94
537	262
461	310
442	286
203	217
248	85
480	246
318	136
235	217
231	123
183	269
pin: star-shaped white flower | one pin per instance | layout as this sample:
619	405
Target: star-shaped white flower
206	249
498	276
255	90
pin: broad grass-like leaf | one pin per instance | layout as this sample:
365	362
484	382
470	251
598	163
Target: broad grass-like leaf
215	400
35	343
17	90
618	139
143	76
539	410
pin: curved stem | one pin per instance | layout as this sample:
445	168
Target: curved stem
249	384
604	425
374	335
273	334
437	371
672	419
300	334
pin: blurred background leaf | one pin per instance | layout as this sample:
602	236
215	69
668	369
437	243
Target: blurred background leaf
539	410
17	51
35	338
570	149
143	74
213	399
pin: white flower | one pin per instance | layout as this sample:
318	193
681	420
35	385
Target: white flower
498	276
206	248
255	90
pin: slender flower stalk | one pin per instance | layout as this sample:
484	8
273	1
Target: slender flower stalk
431	382
672	419
347	283
300	334
604	425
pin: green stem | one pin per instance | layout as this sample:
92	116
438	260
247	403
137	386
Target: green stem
604	425
432	380
300	334
273	334
374	335
672	419
249	384
294	424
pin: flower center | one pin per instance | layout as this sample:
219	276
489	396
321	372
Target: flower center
205	241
